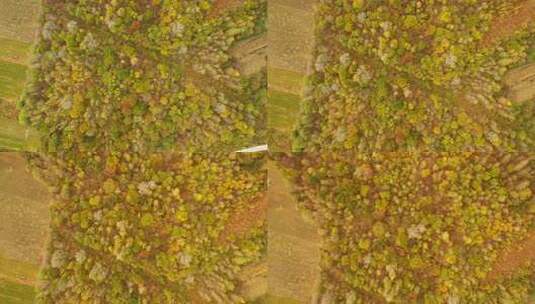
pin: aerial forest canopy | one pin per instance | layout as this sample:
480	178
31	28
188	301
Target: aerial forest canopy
139	105
159	228
416	139
422	227
143	75
404	75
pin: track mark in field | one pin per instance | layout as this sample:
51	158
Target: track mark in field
515	258
506	26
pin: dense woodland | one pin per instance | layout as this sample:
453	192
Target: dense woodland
128	97
416	162
397	75
143	75
415	227
157	228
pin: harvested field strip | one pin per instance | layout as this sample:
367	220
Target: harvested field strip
23	220
19	19
285	80
14	51
283	110
293	244
12	79
291	35
298	4
283	107
17	281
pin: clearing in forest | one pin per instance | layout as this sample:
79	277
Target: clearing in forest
23	229
18	24
515	258
293	244
291	40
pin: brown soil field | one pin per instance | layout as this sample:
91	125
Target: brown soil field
24	214
19	19
290	35
515	258
507	25
293	244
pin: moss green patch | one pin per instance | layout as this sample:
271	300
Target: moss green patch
284	80
14	51
283	109
16	293
13	136
531	55
12	292
12	79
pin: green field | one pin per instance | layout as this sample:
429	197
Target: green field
14	56
16	293
12	79
14	51
13	136
283	110
12	274
285	80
